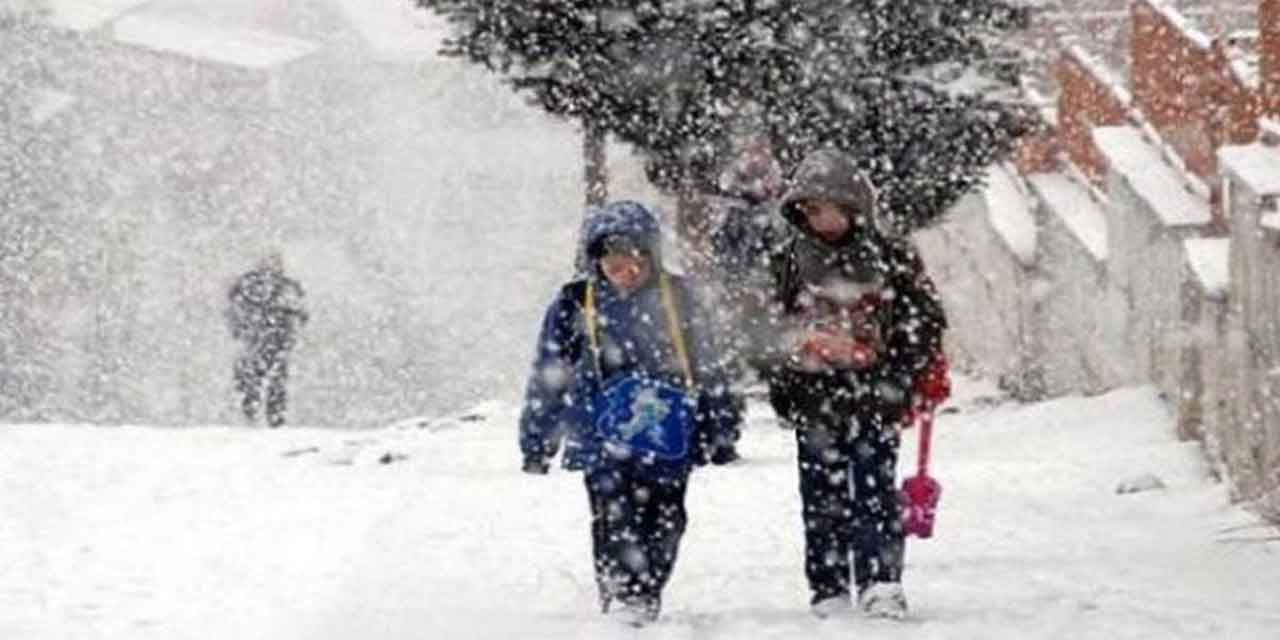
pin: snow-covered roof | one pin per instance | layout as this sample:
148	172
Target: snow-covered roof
1010	214
1157	183
1209	259
1256	165
87	15
396	29
1072	203
226	45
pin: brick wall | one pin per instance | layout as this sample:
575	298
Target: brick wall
1037	153
1085	101
1269	48
1183	85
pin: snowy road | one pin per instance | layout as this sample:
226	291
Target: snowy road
231	533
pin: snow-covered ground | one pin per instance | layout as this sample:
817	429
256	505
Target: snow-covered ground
426	529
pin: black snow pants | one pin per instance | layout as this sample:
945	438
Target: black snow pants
636	525
849	492
261	372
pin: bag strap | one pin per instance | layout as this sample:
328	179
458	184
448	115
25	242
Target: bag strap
589	313
673	327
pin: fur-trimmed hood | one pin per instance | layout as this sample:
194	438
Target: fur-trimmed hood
625	218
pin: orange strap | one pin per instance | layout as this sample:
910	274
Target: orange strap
673	327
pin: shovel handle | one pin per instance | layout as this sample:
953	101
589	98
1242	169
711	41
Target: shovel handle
926	442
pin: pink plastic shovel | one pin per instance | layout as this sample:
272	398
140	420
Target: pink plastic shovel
920	492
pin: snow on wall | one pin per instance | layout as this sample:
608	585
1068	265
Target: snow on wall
1152	312
1053	325
1102	73
984	288
1192	182
1182	24
1270	127
1243	423
1104	299
1207	360
1072	203
1080	342
1257	165
1243	57
1208	260
1010	215
1148	266
1143	167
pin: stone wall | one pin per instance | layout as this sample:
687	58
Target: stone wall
1078	338
986	286
1247	429
1157	249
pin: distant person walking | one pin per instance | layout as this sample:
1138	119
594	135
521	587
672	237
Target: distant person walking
264	314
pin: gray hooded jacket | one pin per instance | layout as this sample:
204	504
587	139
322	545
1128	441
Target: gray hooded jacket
870	281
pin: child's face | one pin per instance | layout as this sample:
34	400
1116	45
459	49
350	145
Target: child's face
827	219
626	270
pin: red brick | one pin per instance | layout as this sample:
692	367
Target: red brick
1085	102
1269	50
1187	91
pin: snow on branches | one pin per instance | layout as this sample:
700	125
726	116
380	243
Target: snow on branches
922	93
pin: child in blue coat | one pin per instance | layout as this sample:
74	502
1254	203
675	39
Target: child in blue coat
625	381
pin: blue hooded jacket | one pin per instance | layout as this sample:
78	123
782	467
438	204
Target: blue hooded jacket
634	338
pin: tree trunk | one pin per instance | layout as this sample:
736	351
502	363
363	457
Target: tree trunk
595	173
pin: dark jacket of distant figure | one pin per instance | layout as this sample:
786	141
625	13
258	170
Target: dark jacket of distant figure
265	310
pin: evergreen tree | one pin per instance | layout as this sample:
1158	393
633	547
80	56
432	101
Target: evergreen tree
923	93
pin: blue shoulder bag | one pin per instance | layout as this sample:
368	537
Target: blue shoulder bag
641	417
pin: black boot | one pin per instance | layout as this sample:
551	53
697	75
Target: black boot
725	455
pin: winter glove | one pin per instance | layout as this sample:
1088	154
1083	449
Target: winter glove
838	351
535	465
935	384
932	388
725	454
